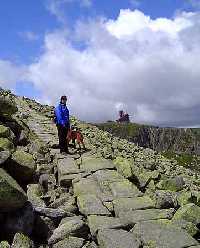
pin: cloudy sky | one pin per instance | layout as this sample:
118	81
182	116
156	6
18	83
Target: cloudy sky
105	55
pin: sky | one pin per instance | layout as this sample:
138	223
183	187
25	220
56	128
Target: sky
137	55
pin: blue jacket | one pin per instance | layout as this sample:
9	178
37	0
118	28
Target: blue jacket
61	113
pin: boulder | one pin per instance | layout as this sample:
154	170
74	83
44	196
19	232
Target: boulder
70	242
127	204
34	194
90	204
172	184
166	199
4	155
108	238
124	188
6	145
69	226
5	132
189	212
157	234
22	241
4	244
133	217
12	195
123	166
96	223
21	166
66	202
7	106
94	164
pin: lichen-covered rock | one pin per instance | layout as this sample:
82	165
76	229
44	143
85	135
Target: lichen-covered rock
86	186
96	223
185	197
4	244
166	199
5	132
173	184
133	217
94	164
124	188
108	238
21	166
189	227
189	212
34	194
70	242
22	241
68	226
90	204
127	204
6	145
123	166
12	195
4	155
158	235
7	106
65	202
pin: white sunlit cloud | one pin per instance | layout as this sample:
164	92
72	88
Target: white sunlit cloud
148	67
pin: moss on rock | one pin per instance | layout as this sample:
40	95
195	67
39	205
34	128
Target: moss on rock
12	195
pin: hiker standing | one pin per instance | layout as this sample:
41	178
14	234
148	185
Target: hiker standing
62	121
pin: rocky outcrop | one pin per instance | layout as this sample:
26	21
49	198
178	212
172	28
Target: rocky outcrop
114	194
178	140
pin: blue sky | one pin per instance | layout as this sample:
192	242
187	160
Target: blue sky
19	17
38	53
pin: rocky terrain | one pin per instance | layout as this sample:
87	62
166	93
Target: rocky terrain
183	144
114	195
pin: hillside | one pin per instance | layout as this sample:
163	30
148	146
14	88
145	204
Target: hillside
182	144
115	194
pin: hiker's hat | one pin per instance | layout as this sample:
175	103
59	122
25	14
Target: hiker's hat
63	98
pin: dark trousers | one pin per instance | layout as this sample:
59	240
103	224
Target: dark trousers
62	136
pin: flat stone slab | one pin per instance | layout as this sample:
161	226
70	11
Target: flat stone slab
96	223
108	176
133	217
124	189
160	235
108	238
91	205
127	204
86	186
67	166
95	164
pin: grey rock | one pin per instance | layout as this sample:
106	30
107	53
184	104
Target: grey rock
160	235
108	238
22	241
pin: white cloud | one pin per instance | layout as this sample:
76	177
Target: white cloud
148	67
10	74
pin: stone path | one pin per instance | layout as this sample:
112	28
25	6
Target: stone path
110	211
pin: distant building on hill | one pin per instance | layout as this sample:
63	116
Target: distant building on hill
123	117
